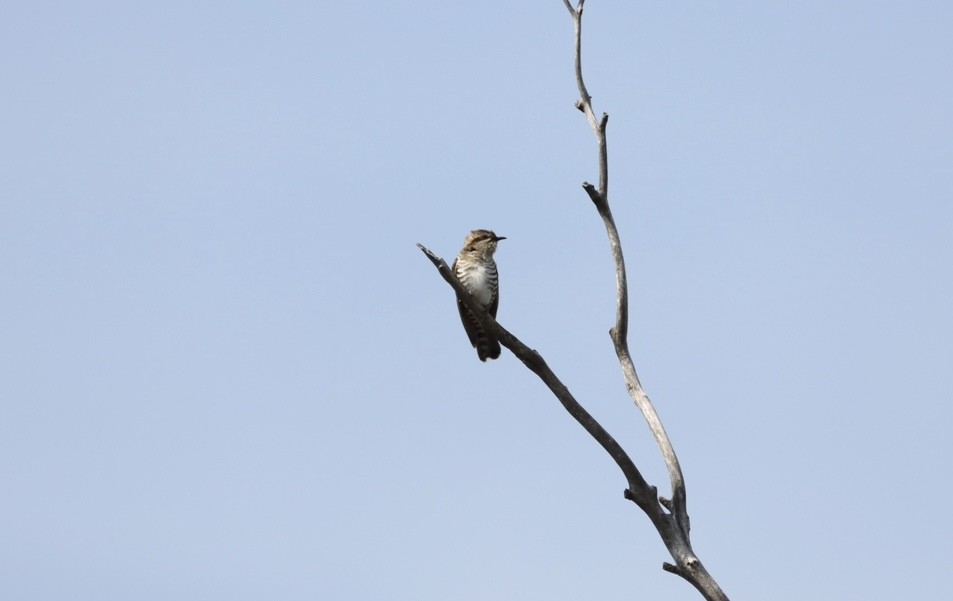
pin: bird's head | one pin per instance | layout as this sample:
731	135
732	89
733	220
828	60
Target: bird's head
482	242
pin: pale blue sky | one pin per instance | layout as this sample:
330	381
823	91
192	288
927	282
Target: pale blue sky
226	372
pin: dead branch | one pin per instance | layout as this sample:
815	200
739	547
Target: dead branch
676	537
670	517
535	362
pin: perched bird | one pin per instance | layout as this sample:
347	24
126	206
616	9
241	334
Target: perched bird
476	270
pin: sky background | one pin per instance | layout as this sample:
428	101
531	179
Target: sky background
226	371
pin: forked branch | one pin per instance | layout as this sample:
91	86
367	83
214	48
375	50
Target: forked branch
670	517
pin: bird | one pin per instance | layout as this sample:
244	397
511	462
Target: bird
476	270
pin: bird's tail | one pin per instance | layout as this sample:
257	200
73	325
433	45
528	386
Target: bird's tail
487	348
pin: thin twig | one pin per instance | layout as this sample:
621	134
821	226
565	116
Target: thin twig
676	539
619	332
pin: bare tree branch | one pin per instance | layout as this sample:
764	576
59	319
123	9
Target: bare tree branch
620	333
535	362
670	517
676	538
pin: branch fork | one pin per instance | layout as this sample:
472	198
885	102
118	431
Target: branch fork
669	516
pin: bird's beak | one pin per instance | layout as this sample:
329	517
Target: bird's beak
498	238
